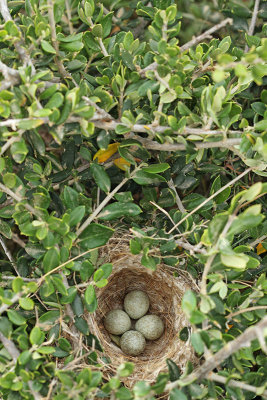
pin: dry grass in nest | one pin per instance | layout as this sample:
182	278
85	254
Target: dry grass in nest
165	293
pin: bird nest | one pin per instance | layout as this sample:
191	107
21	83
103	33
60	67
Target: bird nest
165	293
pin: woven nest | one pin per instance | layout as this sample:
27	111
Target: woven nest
165	293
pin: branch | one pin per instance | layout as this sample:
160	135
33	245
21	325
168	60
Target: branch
8	254
211	197
229	316
193	42
244	386
18	199
10	347
21	51
11	76
105	202
206	34
242	340
254	17
52	24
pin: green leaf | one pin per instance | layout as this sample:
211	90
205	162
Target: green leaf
197	342
76	215
19	151
15	317
117	210
235	261
5	229
189	302
37	336
146	178
174	370
51	260
89	294
46	46
156	168
101	177
177	394
26	303
95	235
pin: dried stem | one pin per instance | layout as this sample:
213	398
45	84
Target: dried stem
178	200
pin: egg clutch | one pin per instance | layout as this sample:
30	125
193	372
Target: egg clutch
130	328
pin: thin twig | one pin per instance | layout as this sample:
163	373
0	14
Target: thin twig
178	200
206	34
218	358
229	316
105	202
18	199
10	347
102	46
18	44
260	239
191	43
52	24
68	9
253	20
233	383
237	178
8	254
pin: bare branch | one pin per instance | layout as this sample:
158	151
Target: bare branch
105	202
203	370
178	200
260	239
19	199
253	20
233	383
8	254
52	24
237	178
206	34
229	316
10	347
191	43
18	44
101	44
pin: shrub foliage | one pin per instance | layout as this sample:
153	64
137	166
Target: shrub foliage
112	120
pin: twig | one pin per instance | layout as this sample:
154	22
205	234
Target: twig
14	299
193	42
178	200
102	46
52	24
253	20
8	254
69	15
101	111
10	347
21	51
237	178
242	340
9	143
229	316
11	76
206	34
261	239
105	202
18	199
233	383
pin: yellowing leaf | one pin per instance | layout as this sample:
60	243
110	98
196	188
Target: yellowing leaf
104	155
260	249
122	163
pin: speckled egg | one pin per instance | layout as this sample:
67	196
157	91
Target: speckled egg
136	304
117	322
133	343
151	326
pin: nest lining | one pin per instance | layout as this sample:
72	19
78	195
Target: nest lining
165	293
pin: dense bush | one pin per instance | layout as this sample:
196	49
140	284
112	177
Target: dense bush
113	119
